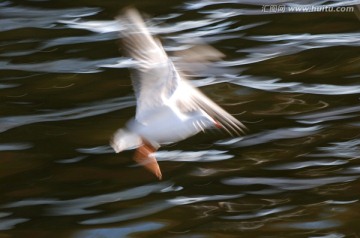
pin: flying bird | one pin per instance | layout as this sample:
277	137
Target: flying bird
169	108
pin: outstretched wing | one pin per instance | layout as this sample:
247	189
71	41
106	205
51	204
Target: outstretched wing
188	98
154	78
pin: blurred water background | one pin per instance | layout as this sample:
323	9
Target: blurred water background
291	77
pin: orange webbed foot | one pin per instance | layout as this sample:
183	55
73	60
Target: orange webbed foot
144	156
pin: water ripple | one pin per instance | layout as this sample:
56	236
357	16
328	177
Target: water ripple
125	231
153	207
271	135
212	33
306	164
70	40
309	41
15	146
21	17
105	149
9	223
311	225
60	66
4	86
346	149
81	205
193	156
328	115
93	109
289	87
289	183
259	213
95	26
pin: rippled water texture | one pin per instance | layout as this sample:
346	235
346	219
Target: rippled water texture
292	78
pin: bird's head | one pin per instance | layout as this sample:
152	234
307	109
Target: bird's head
125	140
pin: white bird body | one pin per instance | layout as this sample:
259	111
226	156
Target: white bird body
169	108
166	125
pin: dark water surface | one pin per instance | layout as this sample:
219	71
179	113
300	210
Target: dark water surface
292	78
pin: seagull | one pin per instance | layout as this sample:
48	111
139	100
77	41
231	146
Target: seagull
168	107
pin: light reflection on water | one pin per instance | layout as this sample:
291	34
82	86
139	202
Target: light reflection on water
292	78
120	231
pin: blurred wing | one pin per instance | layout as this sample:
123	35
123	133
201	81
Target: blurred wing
198	60
189	98
155	78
